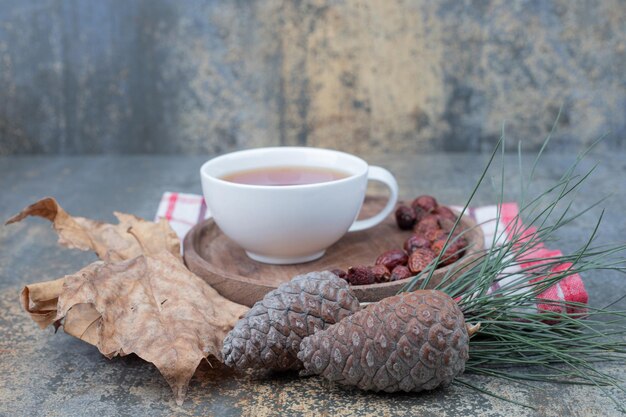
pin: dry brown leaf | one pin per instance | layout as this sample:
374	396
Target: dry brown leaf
131	237
141	300
151	306
40	301
82	321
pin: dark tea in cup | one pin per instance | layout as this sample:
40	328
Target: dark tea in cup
285	175
286	205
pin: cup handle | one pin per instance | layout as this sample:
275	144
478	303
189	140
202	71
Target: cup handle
382	175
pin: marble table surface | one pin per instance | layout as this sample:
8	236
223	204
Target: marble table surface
44	373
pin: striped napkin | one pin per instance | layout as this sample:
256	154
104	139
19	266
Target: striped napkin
183	211
571	288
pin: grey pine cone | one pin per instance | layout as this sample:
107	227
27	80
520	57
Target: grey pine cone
409	342
269	336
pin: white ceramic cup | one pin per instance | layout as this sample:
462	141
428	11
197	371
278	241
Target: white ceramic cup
293	223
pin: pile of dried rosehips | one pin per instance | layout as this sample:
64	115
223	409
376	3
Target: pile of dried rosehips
431	225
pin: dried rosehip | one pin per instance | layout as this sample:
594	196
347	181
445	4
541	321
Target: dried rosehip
392	258
339	272
427	223
381	273
444	212
360	275
447	225
435	234
400	272
425	202
405	217
419	259
421	211
438	245
453	252
461	241
414	242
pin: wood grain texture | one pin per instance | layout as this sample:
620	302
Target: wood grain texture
225	266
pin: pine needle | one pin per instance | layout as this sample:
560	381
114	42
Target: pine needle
558	346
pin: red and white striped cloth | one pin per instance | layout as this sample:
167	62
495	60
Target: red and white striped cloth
183	211
571	288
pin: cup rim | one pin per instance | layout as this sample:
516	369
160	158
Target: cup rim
218	180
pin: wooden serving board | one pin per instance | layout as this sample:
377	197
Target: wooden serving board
225	266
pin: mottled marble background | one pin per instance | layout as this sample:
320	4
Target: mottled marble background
168	76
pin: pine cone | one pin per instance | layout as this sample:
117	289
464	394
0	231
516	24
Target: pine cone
409	342
269	336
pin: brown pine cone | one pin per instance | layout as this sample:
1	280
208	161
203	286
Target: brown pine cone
409	342
269	336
